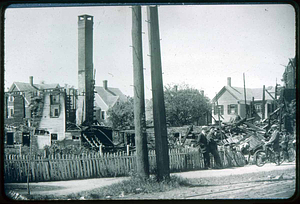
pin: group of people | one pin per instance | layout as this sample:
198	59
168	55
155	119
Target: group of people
207	140
209	136
278	140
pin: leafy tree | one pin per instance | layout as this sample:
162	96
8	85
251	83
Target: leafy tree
184	105
121	115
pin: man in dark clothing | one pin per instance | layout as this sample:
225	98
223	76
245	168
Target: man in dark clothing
203	143
284	145
213	147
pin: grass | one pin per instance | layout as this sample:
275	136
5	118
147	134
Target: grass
131	186
136	185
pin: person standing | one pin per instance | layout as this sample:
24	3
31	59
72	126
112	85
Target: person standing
213	147
284	145
204	148
274	141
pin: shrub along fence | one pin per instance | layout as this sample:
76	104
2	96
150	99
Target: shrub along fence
66	167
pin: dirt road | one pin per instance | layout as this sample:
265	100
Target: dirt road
249	182
269	181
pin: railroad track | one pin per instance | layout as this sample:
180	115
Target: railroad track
263	189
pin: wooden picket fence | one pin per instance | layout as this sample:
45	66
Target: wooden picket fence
69	167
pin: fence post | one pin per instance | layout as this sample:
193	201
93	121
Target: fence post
100	150
127	150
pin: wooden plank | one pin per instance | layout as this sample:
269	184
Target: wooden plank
77	169
33	179
68	163
72	166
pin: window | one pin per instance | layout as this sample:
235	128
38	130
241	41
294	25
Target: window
54	99
75	137
10	112
258	108
10	98
103	115
220	109
53	136
54	111
232	109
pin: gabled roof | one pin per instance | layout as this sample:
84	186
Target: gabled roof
110	95
238	93
26	87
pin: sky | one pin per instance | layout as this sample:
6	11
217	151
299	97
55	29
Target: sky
201	45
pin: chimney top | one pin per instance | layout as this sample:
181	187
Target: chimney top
105	84
228	81
31	80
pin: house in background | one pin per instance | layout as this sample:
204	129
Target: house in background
18	98
105	98
42	106
231	101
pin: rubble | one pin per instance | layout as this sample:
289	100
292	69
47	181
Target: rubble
242	131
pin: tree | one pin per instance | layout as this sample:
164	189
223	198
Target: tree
121	115
184	105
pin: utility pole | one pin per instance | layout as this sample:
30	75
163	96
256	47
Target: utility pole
159	112
263	104
139	99
245	95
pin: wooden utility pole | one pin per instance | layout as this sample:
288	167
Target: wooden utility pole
253	108
139	99
263	104
245	95
159	112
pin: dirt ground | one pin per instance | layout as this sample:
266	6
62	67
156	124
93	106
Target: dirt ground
250	182
269	181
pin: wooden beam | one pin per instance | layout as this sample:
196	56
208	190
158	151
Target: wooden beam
245	95
254	127
263	104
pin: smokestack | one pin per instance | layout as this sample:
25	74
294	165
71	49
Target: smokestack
105	84
228	81
31	80
85	69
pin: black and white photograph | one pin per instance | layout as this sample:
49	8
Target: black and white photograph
149	102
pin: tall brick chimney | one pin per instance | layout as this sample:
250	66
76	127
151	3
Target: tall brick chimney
228	81
105	84
85	68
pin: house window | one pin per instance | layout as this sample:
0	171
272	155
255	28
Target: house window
54	99
10	112
103	115
10	98
232	109
54	111
219	109
258	108
53	137
75	137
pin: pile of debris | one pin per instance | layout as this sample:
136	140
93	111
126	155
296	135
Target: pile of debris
247	131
